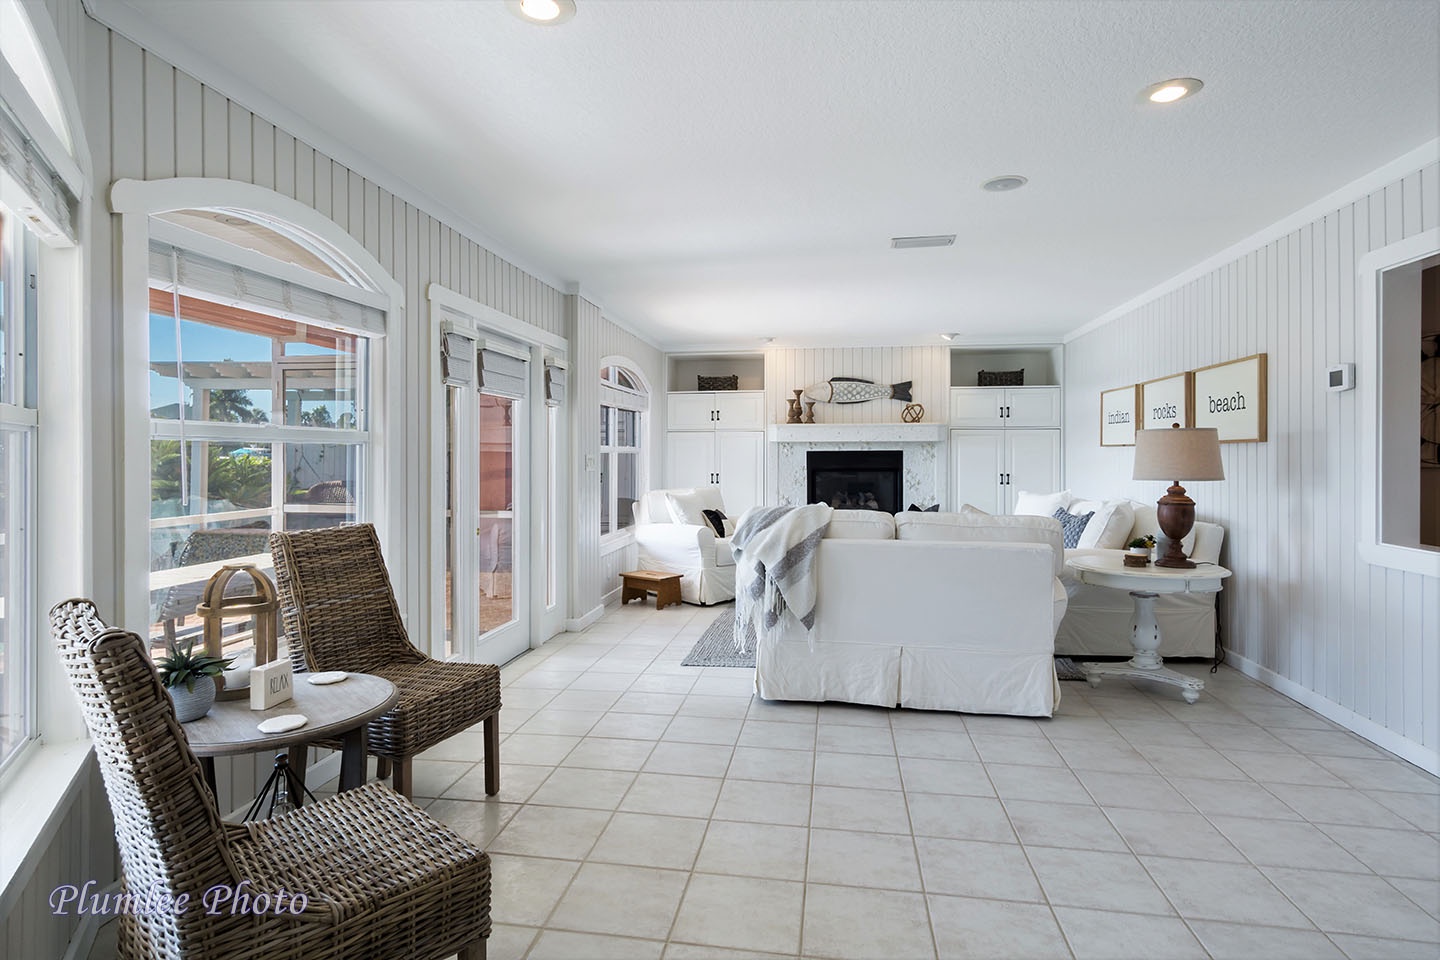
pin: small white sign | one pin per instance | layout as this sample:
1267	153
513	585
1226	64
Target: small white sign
1165	402
270	684
1231	398
1117	417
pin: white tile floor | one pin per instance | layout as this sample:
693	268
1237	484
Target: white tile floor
651	810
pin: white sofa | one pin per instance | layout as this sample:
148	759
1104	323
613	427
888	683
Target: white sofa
1098	621
927	610
703	560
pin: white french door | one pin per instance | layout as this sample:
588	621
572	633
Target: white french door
488	599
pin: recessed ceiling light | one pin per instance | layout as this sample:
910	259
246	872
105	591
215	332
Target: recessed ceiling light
1168	91
947	337
910	243
1011	181
547	13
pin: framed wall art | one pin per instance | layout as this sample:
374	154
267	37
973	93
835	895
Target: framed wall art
1117	416
1231	397
1165	402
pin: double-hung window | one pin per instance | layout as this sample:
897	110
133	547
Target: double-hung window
259	421
623	402
18	425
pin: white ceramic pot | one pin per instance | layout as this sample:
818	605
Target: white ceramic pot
194	703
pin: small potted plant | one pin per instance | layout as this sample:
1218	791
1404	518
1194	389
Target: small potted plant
189	678
1138	552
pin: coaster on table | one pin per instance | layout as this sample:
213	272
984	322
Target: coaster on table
290	721
329	676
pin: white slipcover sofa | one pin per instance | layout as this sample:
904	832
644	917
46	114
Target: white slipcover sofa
928	610
1098	621
691	549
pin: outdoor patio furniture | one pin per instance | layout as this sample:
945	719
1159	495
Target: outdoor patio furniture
339	613
379	878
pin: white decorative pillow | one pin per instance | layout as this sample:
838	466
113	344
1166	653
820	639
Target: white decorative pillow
686	508
1109	529
970	510
1042	504
729	524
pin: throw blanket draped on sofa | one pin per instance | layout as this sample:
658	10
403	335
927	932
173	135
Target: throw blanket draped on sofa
774	562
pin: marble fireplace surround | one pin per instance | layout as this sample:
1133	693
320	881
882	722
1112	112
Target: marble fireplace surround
919	444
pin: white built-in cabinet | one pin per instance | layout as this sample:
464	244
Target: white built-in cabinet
988	466
1005	407
718	439
1003	439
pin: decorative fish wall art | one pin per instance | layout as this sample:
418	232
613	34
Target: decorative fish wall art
855	390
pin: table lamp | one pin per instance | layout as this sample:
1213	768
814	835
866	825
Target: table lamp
1190	453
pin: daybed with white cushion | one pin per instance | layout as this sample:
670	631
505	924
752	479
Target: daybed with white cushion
672	535
1098	621
927	610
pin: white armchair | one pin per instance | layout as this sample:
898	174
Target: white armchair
703	560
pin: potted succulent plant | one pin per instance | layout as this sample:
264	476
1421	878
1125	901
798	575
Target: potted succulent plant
189	678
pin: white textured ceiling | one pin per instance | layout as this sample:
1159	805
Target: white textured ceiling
722	171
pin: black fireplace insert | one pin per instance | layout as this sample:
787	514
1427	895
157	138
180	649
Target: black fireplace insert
855	479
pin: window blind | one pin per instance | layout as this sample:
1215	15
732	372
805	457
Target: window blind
612	396
51	207
457	359
502	374
212	279
554	384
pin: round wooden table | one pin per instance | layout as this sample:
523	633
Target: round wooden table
334	711
1144	585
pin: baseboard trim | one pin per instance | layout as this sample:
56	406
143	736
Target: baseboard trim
576	624
1383	737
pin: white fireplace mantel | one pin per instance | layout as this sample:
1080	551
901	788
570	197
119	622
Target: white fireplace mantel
856	432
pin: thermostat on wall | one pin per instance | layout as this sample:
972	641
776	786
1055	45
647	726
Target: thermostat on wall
1340	377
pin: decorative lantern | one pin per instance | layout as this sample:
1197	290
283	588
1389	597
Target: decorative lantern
261	607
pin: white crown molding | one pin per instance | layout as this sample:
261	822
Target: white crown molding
141	30
1382	176
978	342
574	289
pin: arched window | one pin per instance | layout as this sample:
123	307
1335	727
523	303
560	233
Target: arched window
624	403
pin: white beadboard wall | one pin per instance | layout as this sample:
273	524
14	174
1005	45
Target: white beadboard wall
1361	643
594	574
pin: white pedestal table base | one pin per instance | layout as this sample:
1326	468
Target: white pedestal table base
1147	662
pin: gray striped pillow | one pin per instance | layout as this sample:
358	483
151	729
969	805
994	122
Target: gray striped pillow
1072	524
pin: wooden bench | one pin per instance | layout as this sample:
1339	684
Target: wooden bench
637	583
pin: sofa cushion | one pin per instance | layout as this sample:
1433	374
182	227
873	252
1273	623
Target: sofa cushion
1072	526
1109	529
980	527
1041	504
724	554
860	525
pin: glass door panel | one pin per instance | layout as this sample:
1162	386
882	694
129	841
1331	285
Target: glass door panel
495	532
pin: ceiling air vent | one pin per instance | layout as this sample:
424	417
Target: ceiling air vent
909	243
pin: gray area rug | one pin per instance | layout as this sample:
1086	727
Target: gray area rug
716	648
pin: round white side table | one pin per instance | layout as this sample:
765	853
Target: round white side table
1145	584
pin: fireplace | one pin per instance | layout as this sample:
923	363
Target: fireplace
855	479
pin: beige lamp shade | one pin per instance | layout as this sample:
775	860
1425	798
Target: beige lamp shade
1178	454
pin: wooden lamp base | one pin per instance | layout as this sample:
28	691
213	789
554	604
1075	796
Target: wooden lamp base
1175	514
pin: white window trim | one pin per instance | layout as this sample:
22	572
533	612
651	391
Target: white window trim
390	394
612	394
1373	548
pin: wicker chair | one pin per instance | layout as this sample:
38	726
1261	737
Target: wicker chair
339	614
381	878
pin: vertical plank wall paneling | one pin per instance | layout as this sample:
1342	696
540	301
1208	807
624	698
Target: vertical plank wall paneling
595	572
1302	603
789	369
146	120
